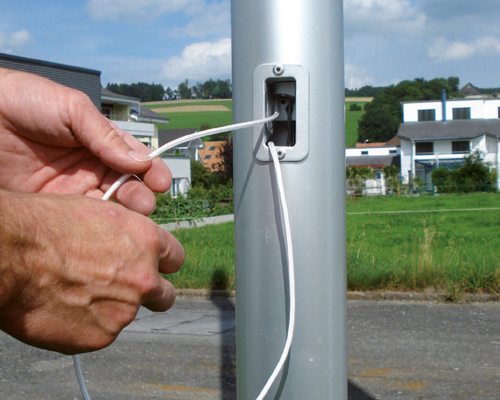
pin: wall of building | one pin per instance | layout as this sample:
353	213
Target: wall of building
479	109
371	151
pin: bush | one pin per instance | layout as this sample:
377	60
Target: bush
443	180
354	107
201	203
473	175
221	199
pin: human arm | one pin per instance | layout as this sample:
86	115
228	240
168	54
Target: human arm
74	269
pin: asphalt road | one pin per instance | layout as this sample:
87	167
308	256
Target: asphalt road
397	350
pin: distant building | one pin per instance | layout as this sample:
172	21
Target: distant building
127	113
470	91
210	155
442	133
375	156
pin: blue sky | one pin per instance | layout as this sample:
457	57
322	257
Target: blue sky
167	41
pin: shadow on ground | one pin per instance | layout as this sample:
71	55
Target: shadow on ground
220	298
356	393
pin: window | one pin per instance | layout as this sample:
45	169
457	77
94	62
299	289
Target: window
424	147
107	110
212	148
393	151
498	112
175	188
462	146
461	113
426	115
207	157
364	153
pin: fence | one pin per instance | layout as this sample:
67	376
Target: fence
416	190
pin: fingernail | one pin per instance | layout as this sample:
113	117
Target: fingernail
139	156
153	210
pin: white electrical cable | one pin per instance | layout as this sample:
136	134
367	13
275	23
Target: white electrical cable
188	138
291	272
174	143
79	377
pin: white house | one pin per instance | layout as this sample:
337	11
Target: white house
442	133
180	167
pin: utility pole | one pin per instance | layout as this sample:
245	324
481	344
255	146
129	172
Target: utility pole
288	57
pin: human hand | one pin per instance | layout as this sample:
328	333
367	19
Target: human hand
75	270
53	140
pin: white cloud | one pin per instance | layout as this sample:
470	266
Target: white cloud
213	19
200	61
15	40
356	77
444	50
382	17
140	9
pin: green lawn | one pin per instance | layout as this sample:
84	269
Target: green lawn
185	103
209	258
351	127
214	119
451	251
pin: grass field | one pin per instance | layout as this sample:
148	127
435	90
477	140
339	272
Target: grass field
455	252
451	251
195	119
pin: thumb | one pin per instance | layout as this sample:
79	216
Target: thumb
113	146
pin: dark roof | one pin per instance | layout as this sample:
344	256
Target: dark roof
394	142
109	93
372	161
146	114
167	135
86	80
43	63
458	129
470	90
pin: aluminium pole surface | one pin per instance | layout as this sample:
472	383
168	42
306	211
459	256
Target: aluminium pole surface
305	37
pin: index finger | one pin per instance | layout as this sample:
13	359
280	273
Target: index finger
172	255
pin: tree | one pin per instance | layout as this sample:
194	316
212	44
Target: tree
391	174
201	176
225	165
184	90
141	90
169	93
384	113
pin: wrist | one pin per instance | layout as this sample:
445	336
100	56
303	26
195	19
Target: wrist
15	241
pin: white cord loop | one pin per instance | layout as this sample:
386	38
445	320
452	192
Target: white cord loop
291	272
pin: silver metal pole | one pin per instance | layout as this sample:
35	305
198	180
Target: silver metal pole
288	56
